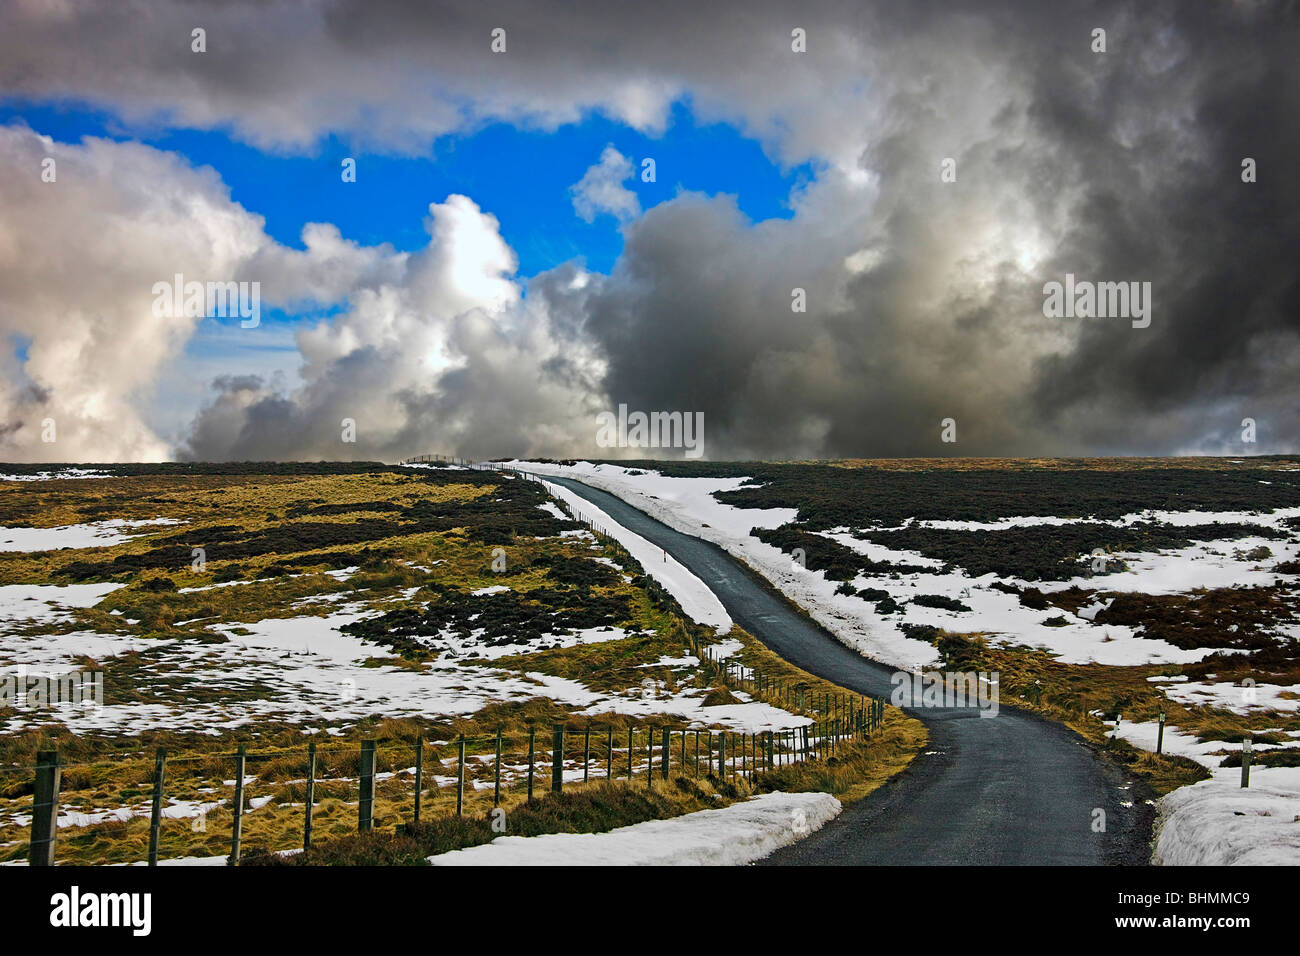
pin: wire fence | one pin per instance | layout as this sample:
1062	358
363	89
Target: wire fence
430	778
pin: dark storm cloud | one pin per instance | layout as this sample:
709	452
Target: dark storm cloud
1129	167
1172	209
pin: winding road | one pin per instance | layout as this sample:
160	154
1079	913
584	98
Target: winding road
1007	790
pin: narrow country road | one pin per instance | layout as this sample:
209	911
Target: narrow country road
1007	790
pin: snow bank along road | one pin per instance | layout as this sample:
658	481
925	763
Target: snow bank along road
734	835
1010	789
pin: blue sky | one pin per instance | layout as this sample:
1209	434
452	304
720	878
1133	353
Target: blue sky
522	176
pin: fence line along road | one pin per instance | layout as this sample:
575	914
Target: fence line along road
601	752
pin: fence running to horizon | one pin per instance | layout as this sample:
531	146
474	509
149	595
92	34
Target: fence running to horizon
392	784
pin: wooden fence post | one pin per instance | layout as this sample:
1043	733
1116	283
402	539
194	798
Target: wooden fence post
155	811
45	809
237	823
460	776
557	758
1160	734
722	755
1245	761
650	757
366	803
532	750
311	795
419	774
496	774
586	754
665	747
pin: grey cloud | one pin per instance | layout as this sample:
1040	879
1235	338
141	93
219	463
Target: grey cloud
924	297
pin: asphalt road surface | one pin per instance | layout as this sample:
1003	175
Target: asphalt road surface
1006	790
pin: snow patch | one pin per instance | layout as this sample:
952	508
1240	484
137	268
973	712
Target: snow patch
1218	823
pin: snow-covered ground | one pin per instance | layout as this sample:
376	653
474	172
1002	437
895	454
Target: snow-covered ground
60	473
306	669
1208	753
1218	823
729	836
46	603
688	505
699	603
96	534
